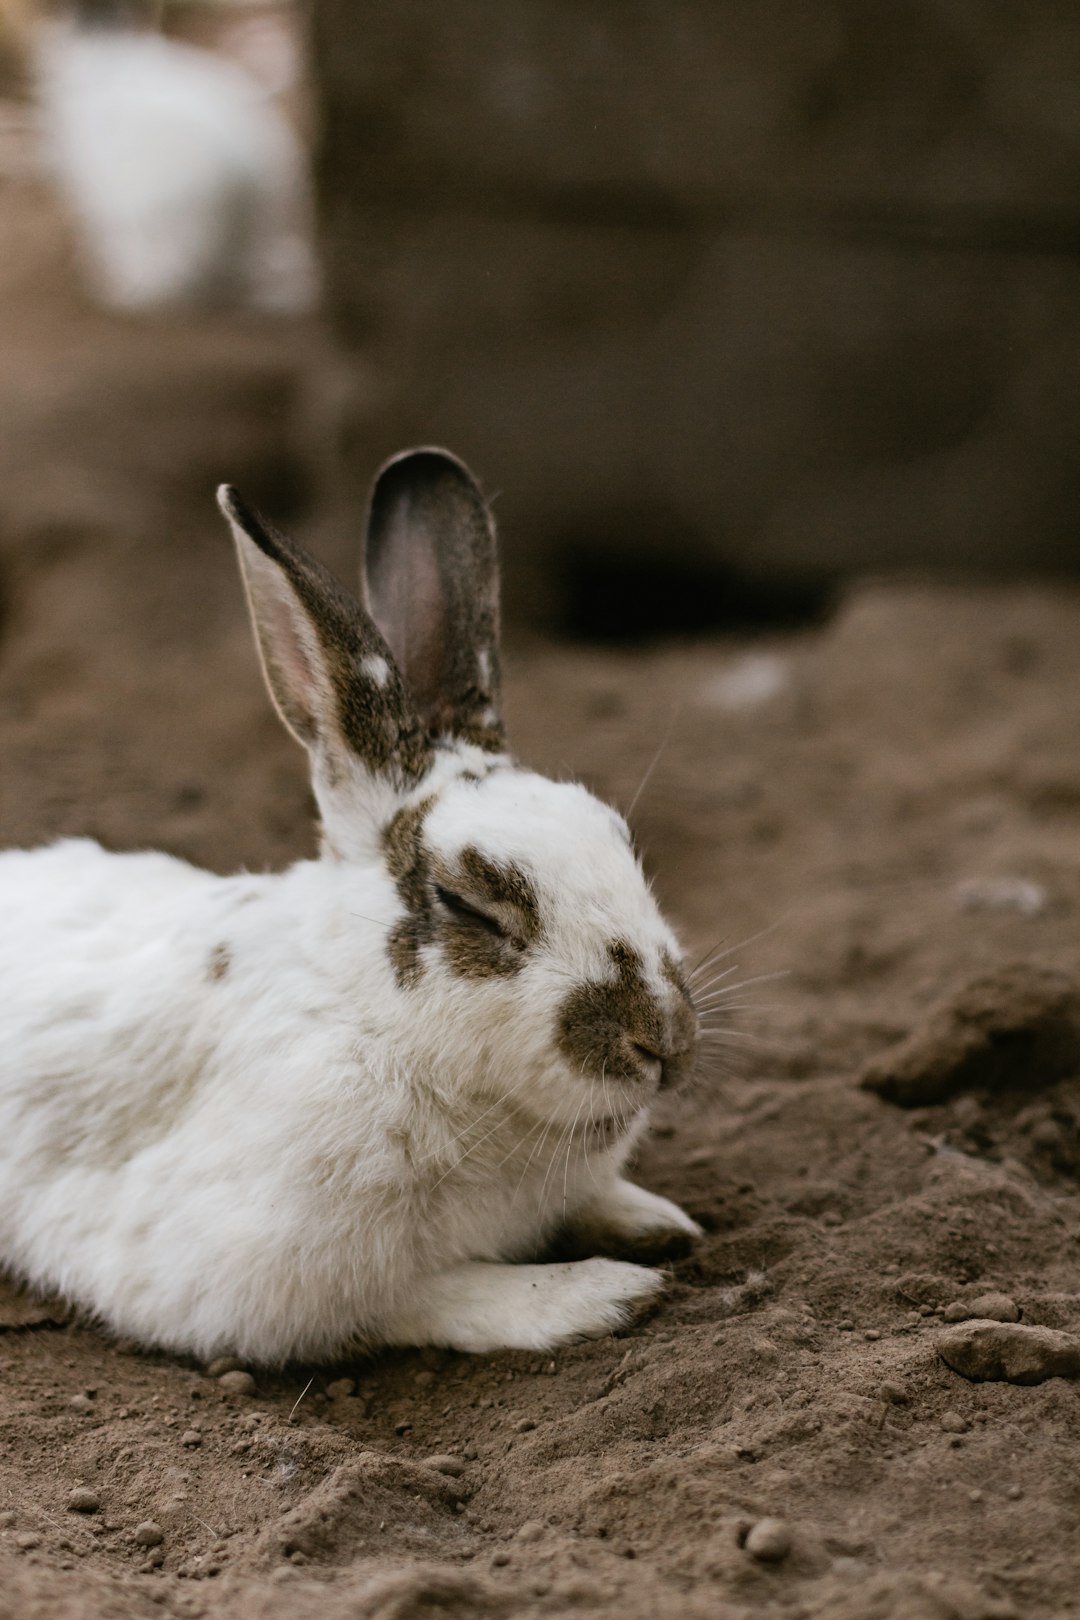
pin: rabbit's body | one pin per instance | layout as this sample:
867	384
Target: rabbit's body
186	181
281	1114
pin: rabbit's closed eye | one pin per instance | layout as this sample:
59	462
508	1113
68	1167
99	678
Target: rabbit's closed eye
470	915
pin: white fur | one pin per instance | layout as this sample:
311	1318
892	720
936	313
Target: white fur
226	1126
185	181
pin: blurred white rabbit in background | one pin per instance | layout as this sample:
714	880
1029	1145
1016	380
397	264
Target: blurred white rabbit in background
186	182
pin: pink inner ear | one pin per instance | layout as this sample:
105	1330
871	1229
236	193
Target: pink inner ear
413	620
291	654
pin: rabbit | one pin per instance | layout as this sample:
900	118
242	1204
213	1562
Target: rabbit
346	1105
186	183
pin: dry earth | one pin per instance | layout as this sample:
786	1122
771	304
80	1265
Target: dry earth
886	810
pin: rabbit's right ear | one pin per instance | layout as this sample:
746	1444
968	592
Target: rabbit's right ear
330	673
432	577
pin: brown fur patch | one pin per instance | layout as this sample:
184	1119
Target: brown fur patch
219	963
503	884
470	949
602	1021
410	867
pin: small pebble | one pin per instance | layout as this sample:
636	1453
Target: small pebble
470	1453
154	1560
445	1464
191	1438
953	1423
27	1539
845	1326
1047	1135
500	1559
81	1403
7	1519
524	1426
769	1541
341	1388
975	1495
1014	1493
83	1500
531	1530
224	1364
424	1379
237	1382
895	1394
149	1534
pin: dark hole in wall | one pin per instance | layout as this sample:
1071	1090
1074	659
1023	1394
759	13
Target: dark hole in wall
658	580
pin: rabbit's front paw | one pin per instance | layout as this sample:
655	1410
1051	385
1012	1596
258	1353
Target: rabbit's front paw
597	1297
627	1220
480	1307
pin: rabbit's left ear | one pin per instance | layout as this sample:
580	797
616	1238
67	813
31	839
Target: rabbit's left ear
331	675
432	579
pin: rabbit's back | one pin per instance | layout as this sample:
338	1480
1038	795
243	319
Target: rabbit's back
84	934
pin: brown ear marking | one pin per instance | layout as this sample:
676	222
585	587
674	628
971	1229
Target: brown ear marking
376	720
433	581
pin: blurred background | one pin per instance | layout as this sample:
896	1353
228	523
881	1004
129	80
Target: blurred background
732	298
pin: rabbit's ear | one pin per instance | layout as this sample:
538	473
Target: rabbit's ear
331	675
432	578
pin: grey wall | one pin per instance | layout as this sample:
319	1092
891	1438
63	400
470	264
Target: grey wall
797	283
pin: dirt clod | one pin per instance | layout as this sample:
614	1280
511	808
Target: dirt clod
988	1307
1016	1026
453	1467
1010	1351
149	1534
84	1500
769	1541
238	1382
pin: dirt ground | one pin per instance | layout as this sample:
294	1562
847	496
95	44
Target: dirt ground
885	810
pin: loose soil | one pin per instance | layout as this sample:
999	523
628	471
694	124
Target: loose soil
886	812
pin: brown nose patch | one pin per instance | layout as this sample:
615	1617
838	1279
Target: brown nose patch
600	1021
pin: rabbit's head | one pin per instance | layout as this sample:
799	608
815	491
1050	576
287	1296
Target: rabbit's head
524	943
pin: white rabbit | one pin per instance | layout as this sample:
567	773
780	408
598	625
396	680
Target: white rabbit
185	181
288	1114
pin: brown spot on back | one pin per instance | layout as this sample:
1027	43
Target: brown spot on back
219	963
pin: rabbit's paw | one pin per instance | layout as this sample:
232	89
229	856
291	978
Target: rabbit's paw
598	1297
627	1220
482	1307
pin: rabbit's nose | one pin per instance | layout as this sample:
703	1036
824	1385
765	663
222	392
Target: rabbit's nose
651	1062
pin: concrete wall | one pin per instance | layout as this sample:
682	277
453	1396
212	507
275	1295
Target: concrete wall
794	283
